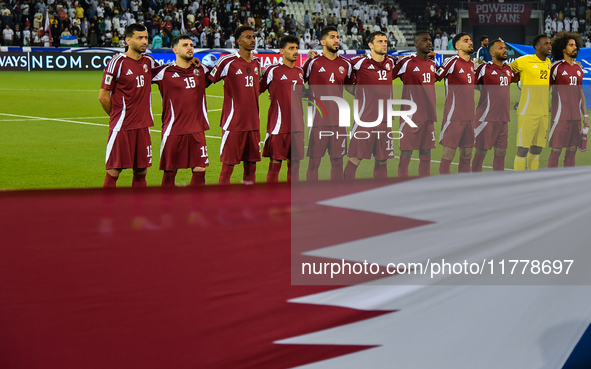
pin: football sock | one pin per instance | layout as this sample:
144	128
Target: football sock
139	180
403	166
553	159
168	178
313	164
198	179
250	172
380	170
110	181
499	162
519	163
295	167
444	167
226	174
336	169
533	161
350	170
569	158
273	173
424	165
464	166
477	163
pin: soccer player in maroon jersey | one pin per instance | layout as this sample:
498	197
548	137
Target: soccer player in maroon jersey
494	106
184	114
568	100
373	79
125	96
285	123
417	72
240	112
458	114
326	76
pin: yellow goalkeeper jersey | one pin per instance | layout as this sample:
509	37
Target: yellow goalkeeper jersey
535	82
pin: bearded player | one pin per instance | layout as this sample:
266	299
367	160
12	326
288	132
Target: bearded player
184	114
494	106
285	122
326	76
240	113
568	100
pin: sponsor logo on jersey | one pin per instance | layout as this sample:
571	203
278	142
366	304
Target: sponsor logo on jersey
239	71
564	73
342	69
129	72
284	77
494	73
321	70
371	66
145	68
416	69
175	75
461	70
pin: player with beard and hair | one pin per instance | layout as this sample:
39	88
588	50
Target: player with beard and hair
373	82
417	72
184	114
494	106
125	95
458	114
568	100
285	123
326	76
240	112
532	114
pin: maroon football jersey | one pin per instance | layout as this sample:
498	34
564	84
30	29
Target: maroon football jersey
418	77
459	89
327	78
129	83
240	111
184	108
566	91
285	86
373	83
494	104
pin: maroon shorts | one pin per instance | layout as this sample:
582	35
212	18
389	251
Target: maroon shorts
420	138
129	149
367	141
331	138
565	133
489	134
457	134
183	151
240	146
284	146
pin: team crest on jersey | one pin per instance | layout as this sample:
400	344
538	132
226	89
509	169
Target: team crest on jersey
509	73
256	70
579	73
301	77
388	66
341	69
196	72
432	68
145	68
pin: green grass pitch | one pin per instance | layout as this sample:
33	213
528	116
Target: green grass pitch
54	134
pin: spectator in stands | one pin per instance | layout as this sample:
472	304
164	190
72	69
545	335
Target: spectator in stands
394	17
38	19
444	41
26	36
6	16
344	15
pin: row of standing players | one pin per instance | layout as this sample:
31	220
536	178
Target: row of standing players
125	96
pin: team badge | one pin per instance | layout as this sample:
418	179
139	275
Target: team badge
301	77
145	68
472	68
196	72
256	70
432	68
388	66
508	73
341	69
579	73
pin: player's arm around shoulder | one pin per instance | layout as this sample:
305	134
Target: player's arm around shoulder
517	64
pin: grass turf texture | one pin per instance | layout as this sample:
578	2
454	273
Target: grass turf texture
54	134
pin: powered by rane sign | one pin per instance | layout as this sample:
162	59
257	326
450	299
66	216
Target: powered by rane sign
47	61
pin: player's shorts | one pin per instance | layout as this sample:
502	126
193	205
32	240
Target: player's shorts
532	130
366	141
489	134
240	146
331	138
457	134
420	138
183	151
284	146
565	133
129	149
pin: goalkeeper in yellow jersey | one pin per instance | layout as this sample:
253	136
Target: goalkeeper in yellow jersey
532	114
